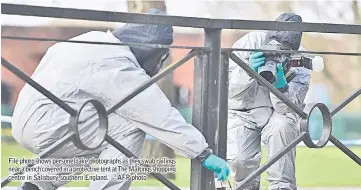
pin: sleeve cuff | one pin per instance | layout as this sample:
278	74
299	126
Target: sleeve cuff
284	89
204	155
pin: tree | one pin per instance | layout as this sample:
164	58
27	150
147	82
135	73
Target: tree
153	148
140	6
333	64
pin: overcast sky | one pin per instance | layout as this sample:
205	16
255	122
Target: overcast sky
320	11
329	10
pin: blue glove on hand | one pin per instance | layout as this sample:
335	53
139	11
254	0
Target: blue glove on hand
256	60
281	81
218	166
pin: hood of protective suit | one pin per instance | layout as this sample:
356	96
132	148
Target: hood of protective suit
148	58
291	38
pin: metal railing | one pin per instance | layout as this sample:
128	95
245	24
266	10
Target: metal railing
210	83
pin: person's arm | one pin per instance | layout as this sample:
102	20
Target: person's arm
296	91
116	75
241	84
154	115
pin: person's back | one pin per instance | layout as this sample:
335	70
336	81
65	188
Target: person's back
245	96
75	73
78	72
241	94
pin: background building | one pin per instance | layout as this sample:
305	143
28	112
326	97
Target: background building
341	76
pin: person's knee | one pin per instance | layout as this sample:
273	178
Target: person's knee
283	126
243	165
247	162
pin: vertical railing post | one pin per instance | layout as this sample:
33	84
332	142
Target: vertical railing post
222	103
206	103
221	137
199	115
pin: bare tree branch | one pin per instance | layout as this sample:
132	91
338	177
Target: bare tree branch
140	6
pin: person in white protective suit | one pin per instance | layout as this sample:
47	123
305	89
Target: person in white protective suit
256	115
78	72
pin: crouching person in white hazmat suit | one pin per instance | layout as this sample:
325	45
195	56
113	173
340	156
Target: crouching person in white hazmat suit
256	115
79	72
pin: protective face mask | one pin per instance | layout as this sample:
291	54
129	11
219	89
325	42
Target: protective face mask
153	71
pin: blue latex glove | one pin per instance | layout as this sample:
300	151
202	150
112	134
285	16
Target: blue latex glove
256	59
281	81
218	166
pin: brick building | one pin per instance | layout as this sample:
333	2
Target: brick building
26	55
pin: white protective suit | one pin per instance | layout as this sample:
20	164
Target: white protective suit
257	115
78	72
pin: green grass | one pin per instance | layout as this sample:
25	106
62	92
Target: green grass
314	167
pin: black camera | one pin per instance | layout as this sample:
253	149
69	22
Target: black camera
289	61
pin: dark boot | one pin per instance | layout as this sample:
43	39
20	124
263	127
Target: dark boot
28	186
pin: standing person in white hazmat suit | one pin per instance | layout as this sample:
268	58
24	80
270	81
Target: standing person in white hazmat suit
78	72
256	115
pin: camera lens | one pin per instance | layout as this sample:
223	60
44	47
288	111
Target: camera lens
268	76
268	71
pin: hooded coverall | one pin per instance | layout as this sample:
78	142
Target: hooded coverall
257	115
78	72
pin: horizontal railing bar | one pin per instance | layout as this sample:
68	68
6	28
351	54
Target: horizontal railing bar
43	154
175	46
100	43
38	87
346	101
151	81
345	150
109	16
269	86
6	119
296	52
270	161
129	154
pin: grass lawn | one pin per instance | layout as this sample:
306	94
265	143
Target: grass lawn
314	167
